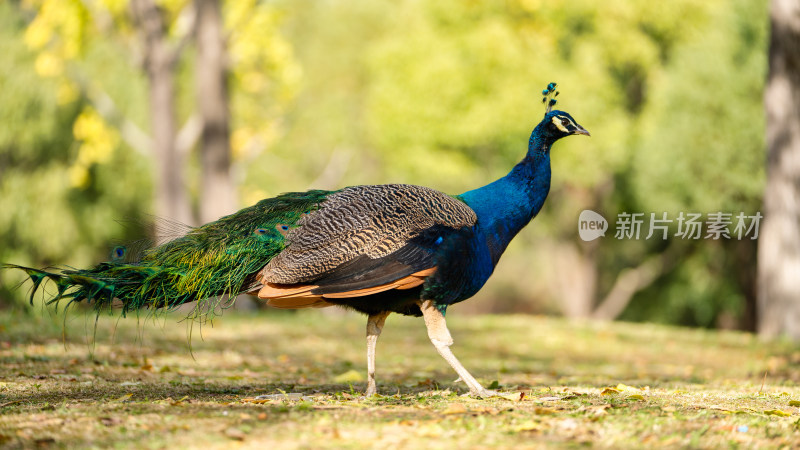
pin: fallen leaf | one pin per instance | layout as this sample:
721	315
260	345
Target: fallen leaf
610	391
178	402
504	396
455	408
595	410
529	426
794	402
425	383
110	421
636	397
485	410
257	401
777	412
235	433
124	398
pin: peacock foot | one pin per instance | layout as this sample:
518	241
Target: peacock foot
484	393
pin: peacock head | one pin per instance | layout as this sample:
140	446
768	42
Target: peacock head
557	124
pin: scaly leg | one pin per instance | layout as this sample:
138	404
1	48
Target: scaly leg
374	327
441	339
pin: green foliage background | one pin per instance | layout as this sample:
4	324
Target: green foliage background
444	94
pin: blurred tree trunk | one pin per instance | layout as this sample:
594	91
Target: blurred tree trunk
779	241
216	191
160	59
575	277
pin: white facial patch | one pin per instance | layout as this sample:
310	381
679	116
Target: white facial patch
557	122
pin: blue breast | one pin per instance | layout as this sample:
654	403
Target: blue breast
467	258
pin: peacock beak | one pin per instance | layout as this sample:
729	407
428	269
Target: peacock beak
581	130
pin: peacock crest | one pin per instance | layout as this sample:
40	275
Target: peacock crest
549	95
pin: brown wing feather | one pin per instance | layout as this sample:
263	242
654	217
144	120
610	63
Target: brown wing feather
298	302
300	296
272	290
362	221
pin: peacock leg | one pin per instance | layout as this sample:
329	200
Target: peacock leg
441	339
374	327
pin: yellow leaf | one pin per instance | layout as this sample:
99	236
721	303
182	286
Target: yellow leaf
124	398
636	397
455	408
610	391
507	396
528	426
777	412
794	402
178	402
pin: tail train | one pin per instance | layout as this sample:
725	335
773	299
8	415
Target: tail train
220	258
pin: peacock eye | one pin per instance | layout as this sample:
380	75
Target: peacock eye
260	231
565	122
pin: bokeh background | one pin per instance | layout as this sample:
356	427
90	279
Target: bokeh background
115	112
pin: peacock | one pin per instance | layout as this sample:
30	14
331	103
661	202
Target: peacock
375	249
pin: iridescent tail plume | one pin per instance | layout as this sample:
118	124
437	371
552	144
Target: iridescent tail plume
215	260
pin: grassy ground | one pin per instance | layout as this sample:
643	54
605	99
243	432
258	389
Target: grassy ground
565	384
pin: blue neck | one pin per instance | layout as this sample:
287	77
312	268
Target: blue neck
505	206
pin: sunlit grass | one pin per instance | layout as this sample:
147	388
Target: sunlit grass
606	384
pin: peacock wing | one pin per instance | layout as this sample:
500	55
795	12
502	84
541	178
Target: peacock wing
363	240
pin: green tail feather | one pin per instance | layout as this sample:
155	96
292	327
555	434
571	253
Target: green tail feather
220	258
